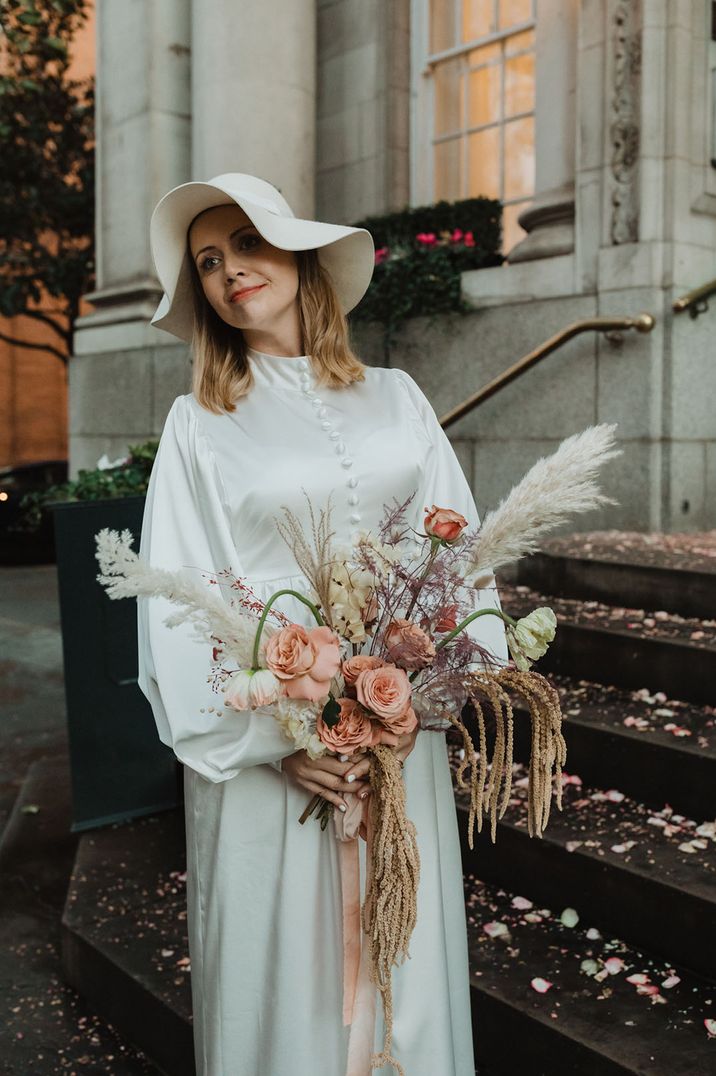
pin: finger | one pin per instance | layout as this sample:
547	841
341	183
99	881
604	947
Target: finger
360	769
336	782
327	794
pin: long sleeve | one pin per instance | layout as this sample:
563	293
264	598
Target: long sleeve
185	524
446	486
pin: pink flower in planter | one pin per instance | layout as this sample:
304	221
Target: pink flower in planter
381	254
468	239
428	239
457	235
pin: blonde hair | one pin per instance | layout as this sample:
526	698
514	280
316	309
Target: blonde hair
221	369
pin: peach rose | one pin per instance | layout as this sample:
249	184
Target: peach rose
352	667
398	726
304	661
385	691
444	523
353	730
408	645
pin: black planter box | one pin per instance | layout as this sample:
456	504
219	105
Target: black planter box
120	768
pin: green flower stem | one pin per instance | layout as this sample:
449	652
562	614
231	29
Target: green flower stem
269	603
463	624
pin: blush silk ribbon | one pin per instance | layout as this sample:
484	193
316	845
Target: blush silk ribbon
359	993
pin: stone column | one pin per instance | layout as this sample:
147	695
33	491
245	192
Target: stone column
143	149
253	92
550	218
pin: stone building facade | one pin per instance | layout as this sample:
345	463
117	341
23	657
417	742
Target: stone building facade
593	120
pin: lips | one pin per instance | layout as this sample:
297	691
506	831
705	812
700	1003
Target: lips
244	293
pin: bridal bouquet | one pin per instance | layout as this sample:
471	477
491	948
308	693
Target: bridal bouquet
388	652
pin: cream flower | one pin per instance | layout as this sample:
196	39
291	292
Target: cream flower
530	637
297	718
250	688
350	592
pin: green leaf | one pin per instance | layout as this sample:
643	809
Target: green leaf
331	713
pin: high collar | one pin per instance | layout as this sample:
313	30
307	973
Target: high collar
279	371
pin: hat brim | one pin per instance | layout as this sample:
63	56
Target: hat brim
347	253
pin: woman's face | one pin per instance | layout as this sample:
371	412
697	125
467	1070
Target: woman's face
230	256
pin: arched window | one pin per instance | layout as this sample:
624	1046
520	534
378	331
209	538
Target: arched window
473	103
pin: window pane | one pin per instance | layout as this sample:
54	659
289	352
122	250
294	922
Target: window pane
483	104
483	149
447	160
477	18
518	42
512	233
519	158
448	82
483	54
519	84
442	25
513	12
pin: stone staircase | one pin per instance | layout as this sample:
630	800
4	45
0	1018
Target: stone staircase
615	906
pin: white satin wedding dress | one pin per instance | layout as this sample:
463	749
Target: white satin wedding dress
263	892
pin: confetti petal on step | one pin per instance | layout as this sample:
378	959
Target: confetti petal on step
620	848
589	967
532	917
664	712
614	965
614	796
647	988
707	829
495	930
521	902
569	917
572	846
593	934
540	985
673	980
654	821
710	1026
688	846
639	979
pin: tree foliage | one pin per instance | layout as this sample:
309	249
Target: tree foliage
47	169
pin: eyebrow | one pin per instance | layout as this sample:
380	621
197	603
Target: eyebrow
235	232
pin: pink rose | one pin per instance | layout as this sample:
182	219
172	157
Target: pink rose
398	726
408	645
304	661
444	523
385	691
353	730
352	667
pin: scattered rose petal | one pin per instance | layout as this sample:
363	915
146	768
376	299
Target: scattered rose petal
521	902
639	979
673	980
532	917
614	965
707	829
495	930
569	917
572	846
593	934
590	967
647	988
613	796
710	1025
619	848
540	985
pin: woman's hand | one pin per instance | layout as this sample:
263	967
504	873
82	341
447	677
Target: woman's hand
325	776
361	763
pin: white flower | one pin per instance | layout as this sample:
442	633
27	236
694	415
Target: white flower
530	637
297	718
251	688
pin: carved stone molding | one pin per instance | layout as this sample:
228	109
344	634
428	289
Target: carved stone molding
624	126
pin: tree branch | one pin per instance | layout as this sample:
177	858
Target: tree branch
62	356
65	334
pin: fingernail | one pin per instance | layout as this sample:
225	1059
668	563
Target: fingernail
351	777
362	795
341	806
344	758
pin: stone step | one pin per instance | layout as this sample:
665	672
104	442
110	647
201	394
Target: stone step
689	592
581	1025
649	876
656	749
124	940
624	647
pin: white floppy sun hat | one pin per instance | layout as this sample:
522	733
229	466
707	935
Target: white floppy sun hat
347	253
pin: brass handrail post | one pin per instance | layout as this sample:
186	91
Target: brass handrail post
642	323
695	301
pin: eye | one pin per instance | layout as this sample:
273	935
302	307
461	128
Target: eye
250	238
204	263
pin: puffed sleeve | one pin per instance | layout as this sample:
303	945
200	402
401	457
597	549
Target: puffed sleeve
445	485
185	524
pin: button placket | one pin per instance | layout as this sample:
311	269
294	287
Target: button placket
334	435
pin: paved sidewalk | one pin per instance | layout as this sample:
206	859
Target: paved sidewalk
46	1028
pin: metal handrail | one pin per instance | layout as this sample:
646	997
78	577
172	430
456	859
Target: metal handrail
643	323
695	301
